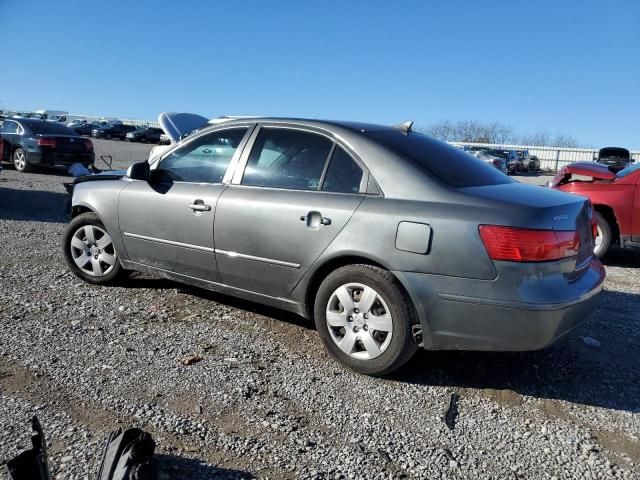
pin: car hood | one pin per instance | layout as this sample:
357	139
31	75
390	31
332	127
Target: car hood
594	170
614	152
106	175
176	125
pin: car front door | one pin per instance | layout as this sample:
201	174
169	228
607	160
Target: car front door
167	222
296	192
635	212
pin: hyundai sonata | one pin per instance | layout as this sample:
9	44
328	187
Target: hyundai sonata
389	240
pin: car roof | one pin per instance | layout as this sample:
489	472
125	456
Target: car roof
358	127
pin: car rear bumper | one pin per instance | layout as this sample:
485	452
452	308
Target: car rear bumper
454	317
51	159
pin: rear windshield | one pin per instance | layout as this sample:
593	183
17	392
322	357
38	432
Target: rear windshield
448	164
49	128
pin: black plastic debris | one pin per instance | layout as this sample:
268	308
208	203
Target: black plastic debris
31	464
452	411
128	455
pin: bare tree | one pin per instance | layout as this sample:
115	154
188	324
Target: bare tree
472	131
565	141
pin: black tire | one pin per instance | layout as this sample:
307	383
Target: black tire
23	166
605	230
90	219
402	345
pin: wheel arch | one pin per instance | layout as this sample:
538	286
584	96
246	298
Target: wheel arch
608	213
80	209
330	264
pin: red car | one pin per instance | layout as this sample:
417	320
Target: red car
615	198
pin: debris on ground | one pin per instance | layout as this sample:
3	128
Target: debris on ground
452	411
191	359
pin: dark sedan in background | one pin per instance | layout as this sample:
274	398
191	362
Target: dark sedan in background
85	129
113	130
31	142
144	135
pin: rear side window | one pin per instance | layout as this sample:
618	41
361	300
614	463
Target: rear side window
204	160
282	158
9	127
344	175
447	164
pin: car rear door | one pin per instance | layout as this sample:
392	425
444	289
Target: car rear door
280	213
167	222
10	136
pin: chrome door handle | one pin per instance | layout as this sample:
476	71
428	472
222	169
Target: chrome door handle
314	220
200	207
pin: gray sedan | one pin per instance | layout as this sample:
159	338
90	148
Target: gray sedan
389	240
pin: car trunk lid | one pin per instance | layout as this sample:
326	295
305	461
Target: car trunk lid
64	143
535	207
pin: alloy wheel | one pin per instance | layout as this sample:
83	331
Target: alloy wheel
359	321
19	160
598	240
92	250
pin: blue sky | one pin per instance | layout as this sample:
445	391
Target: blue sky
570	67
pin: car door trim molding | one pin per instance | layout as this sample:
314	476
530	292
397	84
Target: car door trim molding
257	259
169	242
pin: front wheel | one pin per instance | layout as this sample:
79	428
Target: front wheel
20	161
603	239
89	251
364	319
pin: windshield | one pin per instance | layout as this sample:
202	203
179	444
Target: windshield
630	169
450	165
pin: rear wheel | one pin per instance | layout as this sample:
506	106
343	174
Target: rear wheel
364	319
20	161
604	236
89	251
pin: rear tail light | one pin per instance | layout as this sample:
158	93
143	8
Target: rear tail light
527	245
88	144
47	142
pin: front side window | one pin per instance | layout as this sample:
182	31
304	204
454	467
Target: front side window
344	175
204	160
282	158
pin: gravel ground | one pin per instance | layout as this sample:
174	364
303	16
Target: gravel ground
266	401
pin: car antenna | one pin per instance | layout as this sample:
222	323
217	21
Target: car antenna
405	127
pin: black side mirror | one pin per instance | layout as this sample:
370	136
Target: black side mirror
139	171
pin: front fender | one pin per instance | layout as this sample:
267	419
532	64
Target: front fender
101	198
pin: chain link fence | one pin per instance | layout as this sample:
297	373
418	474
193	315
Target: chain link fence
551	158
